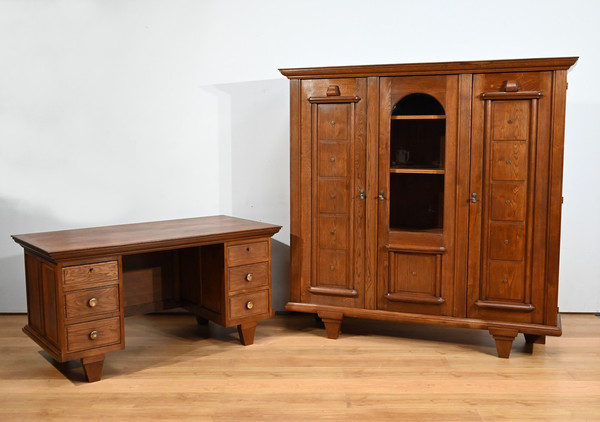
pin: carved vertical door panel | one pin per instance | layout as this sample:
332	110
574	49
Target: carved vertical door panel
337	191
508	213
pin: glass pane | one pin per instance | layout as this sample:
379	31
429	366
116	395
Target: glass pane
416	171
418	104
417	143
416	201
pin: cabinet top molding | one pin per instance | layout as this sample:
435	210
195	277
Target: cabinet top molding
408	69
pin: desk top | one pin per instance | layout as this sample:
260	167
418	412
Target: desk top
142	237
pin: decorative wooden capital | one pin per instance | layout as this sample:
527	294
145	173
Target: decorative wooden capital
510	86
333	91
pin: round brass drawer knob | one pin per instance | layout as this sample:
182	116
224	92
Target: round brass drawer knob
93	335
249	277
249	305
92	302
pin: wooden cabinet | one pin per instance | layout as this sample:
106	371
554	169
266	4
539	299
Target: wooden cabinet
429	193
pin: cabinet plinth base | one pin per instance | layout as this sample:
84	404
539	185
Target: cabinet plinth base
332	317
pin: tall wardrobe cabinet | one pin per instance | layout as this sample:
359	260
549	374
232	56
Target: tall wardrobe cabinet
429	193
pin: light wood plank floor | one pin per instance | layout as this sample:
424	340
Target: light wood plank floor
172	369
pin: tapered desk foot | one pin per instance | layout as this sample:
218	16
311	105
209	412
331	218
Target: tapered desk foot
92	367
246	332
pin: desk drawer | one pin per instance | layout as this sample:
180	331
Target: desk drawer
247	252
250	304
92	302
248	276
91	273
90	335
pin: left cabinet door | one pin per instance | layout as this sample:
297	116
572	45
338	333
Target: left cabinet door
329	191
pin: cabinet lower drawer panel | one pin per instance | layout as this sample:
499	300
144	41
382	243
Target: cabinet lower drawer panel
88	303
89	335
248	276
91	273
247	305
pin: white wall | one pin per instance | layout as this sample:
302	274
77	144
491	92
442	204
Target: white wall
135	110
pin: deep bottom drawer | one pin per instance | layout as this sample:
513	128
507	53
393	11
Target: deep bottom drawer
93	334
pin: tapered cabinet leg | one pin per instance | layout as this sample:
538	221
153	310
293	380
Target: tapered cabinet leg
333	323
246	332
92	367
504	338
531	339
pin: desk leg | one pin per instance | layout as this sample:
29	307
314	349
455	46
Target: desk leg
201	321
246	332
92	367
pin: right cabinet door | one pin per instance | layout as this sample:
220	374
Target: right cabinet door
509	192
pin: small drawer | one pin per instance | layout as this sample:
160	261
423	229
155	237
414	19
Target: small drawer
90	335
89	303
247	253
91	273
248	276
248	305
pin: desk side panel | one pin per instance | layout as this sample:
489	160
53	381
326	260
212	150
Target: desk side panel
42	308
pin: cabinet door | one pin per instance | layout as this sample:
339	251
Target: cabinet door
328	198
417	189
509	191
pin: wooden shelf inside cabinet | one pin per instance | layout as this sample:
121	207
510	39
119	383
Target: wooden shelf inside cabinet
420	117
405	170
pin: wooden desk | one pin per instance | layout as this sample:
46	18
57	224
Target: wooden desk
82	283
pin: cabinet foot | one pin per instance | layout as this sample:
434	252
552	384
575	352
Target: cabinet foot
504	338
92	367
333	322
531	339
246	332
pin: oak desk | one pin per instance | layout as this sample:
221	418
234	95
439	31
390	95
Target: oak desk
82	283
